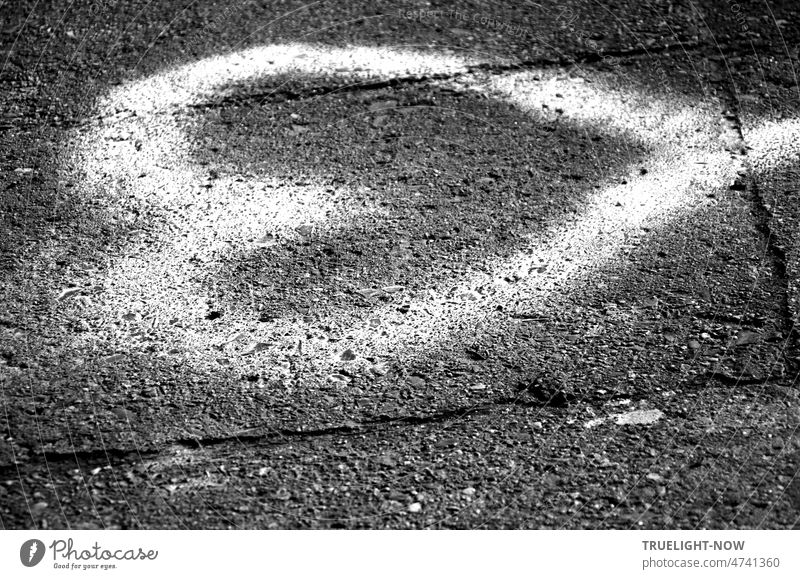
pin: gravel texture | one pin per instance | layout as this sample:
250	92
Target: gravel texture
361	265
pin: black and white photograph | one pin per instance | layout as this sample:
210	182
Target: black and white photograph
427	265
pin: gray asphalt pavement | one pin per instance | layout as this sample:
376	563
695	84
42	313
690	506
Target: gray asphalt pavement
372	265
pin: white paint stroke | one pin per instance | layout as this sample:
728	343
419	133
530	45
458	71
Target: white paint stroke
139	149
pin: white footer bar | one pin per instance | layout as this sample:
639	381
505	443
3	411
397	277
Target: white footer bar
390	554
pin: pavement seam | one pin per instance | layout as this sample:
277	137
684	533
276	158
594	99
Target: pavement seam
580	58
272	436
278	436
486	67
775	253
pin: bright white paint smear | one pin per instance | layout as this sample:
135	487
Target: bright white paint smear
684	165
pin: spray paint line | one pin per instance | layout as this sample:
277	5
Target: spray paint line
140	149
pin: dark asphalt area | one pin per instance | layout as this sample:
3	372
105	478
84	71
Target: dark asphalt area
268	264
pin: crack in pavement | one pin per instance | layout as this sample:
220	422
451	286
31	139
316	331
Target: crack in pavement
748	183
492	68
279	95
271	436
278	436
288	95
275	437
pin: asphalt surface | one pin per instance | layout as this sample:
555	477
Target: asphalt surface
274	265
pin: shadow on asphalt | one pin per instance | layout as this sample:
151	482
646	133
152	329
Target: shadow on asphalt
455	179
